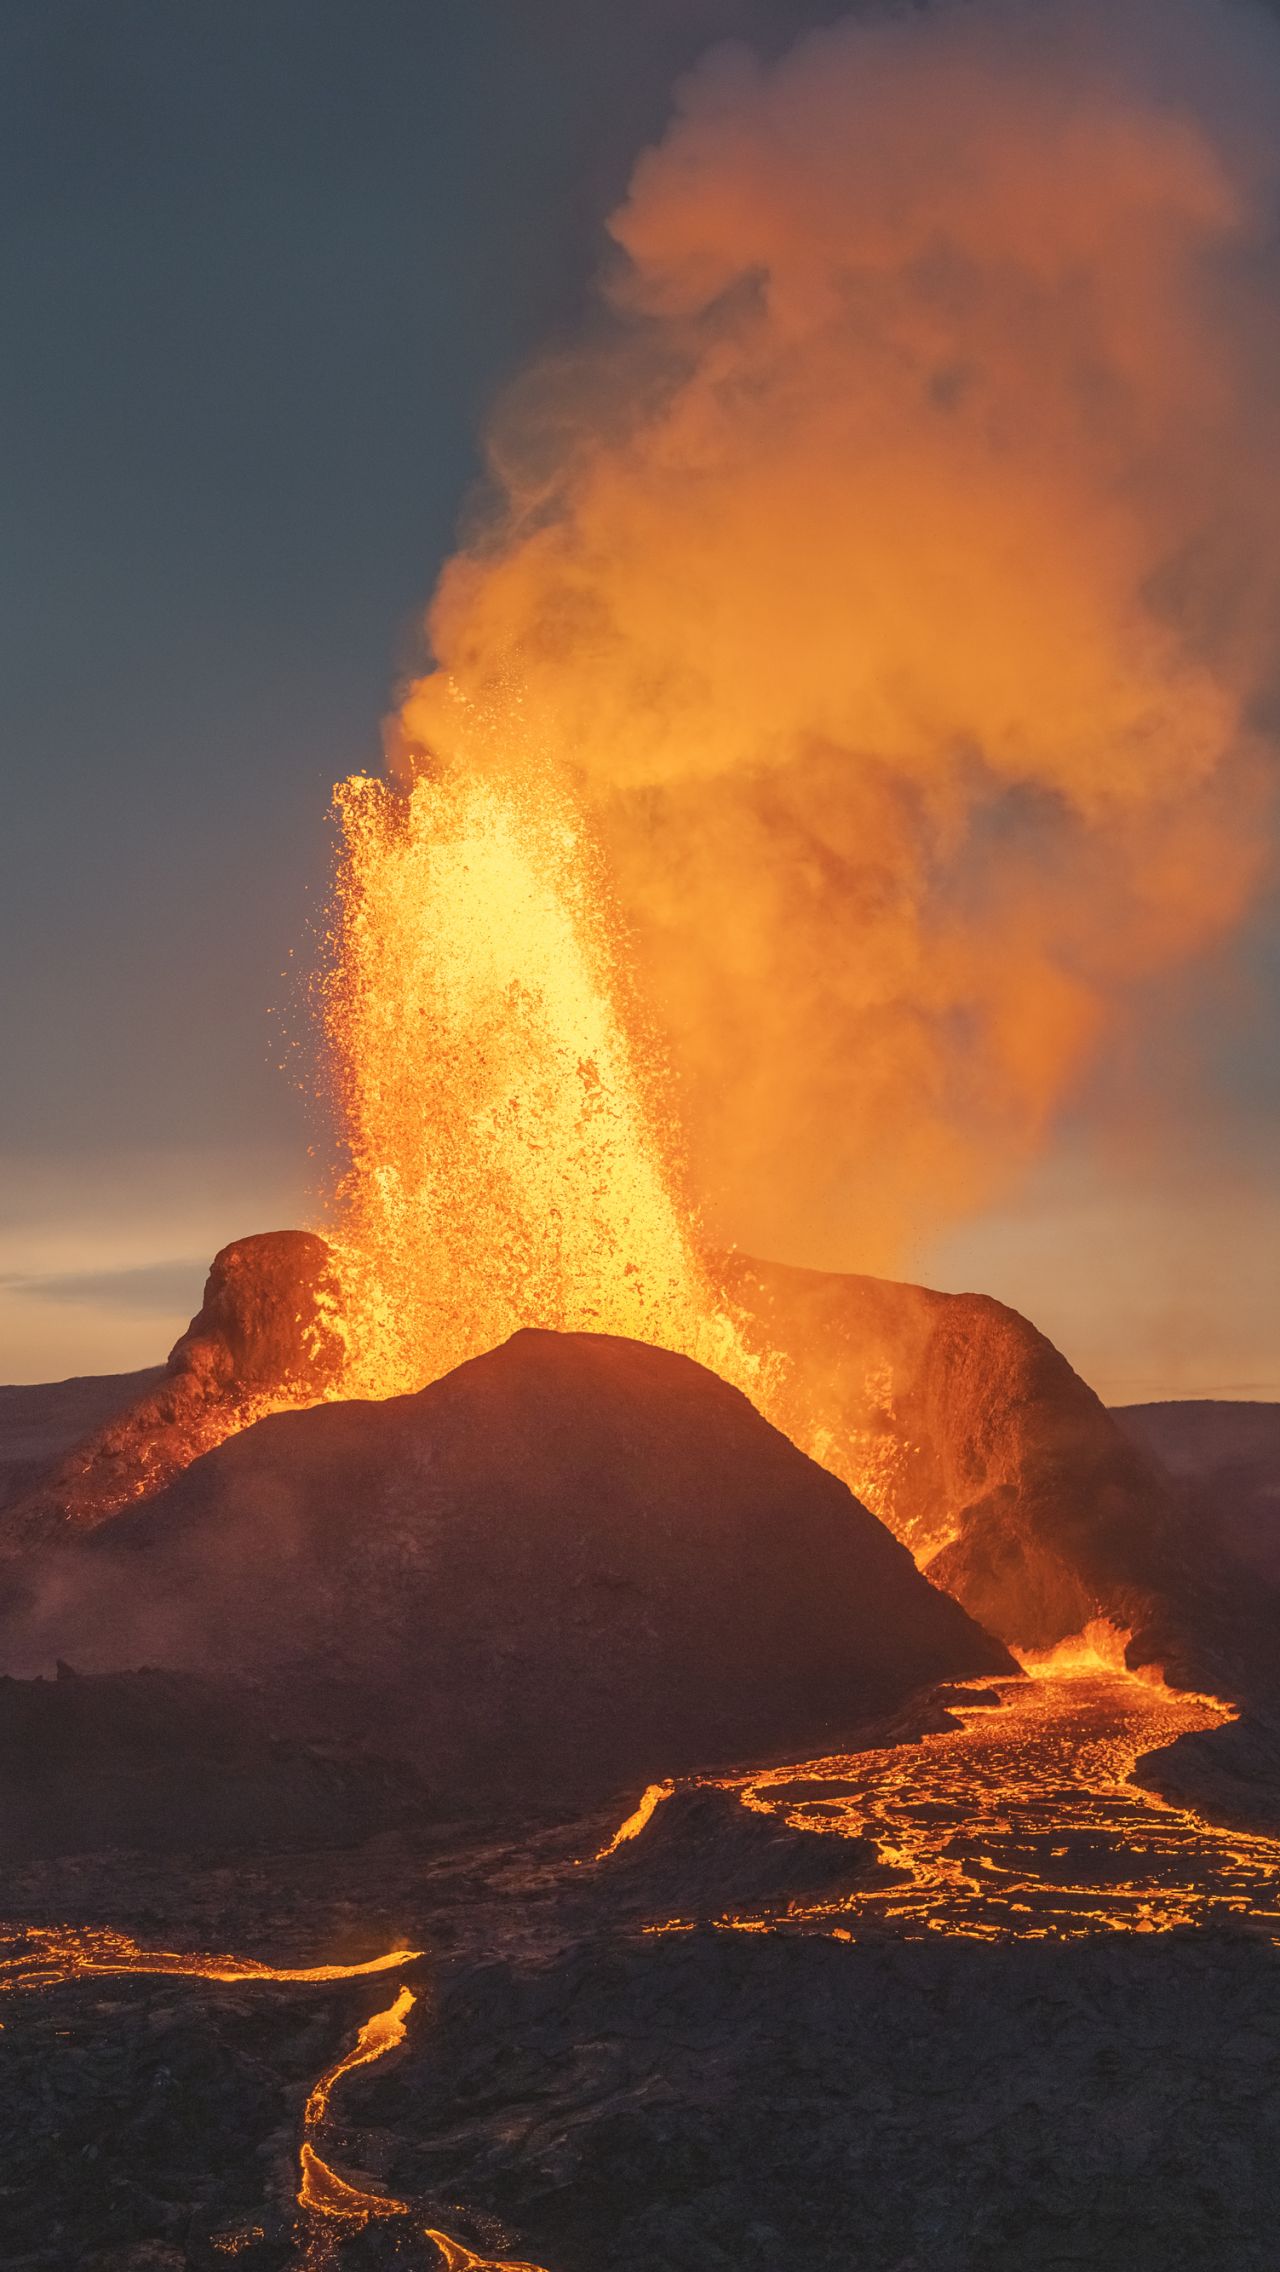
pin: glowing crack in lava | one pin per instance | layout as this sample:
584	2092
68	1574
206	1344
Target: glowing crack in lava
509	1161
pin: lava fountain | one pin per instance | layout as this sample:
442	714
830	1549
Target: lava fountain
510	1161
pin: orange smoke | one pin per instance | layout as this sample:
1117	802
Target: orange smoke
889	581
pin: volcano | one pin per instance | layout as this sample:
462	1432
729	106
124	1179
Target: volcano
950	1416
572	1562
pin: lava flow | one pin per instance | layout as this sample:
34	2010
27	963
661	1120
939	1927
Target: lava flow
460	2259
42	1956
1022	1823
332	2199
650	1799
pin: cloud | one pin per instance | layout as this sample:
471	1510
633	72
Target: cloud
894	571
155	1289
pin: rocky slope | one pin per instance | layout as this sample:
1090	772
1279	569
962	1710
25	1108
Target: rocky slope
581	2094
1018	1491
572	1561
40	1424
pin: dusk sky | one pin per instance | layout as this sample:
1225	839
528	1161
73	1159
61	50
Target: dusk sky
266	265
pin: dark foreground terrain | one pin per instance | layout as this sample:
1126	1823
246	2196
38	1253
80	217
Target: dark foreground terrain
978	2013
342	1932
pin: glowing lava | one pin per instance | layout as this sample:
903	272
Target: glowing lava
460	2259
378	2036
510	1164
511	1159
651	1798
41	1956
329	2197
1022	1823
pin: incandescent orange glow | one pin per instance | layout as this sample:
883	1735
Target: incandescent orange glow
1101	1647
1023	1821
322	2190
651	1798
459	2259
509	1162
333	2199
892	575
845	635
38	1956
378	2036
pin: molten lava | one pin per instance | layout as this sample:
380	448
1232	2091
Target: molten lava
378	2036
1023	1823
509	1163
635	1822
41	1956
329	2197
510	1158
459	2259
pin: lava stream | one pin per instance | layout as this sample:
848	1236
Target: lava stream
378	2035
636	1821
39	1956
460	2259
327	2196
323	2191
1023	1824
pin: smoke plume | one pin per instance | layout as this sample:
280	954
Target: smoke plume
893	572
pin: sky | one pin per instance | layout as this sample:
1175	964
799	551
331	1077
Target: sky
265	268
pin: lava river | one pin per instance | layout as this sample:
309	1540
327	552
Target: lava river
1022	1823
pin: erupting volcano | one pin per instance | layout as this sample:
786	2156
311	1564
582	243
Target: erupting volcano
716	1748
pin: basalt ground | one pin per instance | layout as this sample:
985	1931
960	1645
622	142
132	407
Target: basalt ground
929	2005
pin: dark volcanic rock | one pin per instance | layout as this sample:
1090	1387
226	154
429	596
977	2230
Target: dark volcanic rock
265	1331
573	1561
165	1761
725	2102
1014	1485
1224	1462
702	1853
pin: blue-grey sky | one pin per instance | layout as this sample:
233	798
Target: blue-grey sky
265	264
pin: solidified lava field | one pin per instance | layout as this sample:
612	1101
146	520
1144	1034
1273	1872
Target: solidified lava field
973	2000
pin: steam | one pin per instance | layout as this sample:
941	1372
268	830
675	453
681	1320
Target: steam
893	572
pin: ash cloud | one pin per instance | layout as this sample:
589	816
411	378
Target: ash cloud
894	570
